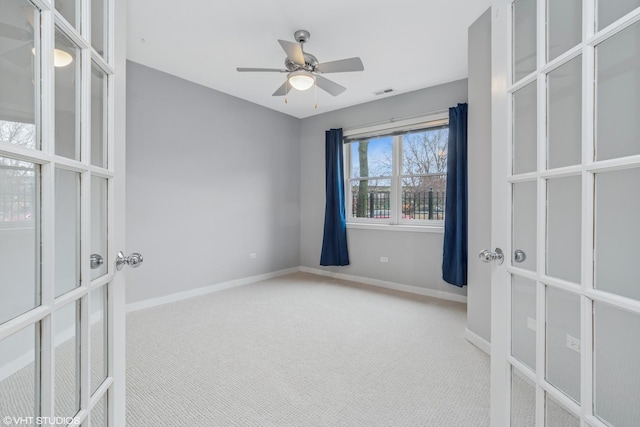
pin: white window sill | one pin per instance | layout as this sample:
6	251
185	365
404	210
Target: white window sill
397	227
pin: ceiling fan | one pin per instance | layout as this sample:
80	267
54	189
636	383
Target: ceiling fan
303	69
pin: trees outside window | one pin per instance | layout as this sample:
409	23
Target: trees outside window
399	177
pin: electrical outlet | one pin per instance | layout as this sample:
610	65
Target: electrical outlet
384	259
253	255
573	343
531	323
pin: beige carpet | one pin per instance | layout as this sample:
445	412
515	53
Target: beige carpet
304	350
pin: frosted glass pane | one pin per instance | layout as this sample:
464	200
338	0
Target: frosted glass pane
557	416
19	357
98	25
69	10
617	233
524	223
19	238
67	231
67	360
617	100
563	326
523	400
564	221
616	358
523	320
18	72
98	336
98	413
525	129
99	222
98	117
67	87
524	38
564	122
610	11
564	26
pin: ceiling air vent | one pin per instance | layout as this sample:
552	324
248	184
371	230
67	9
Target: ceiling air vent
384	91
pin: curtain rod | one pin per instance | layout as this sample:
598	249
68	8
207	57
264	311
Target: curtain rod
393	120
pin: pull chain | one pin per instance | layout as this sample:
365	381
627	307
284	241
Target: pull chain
286	90
315	95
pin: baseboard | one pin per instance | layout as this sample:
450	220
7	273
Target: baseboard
141	305
478	341
388	285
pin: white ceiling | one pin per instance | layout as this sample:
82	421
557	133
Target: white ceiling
404	44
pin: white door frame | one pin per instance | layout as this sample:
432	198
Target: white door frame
117	411
500	369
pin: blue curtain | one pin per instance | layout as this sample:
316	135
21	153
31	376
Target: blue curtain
334	242
454	260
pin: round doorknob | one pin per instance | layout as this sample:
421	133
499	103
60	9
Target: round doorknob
519	256
487	256
134	260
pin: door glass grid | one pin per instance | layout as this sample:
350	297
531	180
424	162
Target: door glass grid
524	225
99	223
19	71
617	238
524	38
525	129
617	101
67	96
610	11
523	400
562	334
20	248
556	416
67	359
98	336
564	223
616	107
67	231
564	115
21	107
523	320
616	373
564	26
19	360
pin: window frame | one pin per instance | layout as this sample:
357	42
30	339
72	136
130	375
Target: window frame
395	129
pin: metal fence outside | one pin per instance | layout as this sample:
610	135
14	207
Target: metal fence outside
421	205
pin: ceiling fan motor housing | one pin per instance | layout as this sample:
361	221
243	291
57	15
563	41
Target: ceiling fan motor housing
310	63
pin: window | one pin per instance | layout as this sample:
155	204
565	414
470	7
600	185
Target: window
397	175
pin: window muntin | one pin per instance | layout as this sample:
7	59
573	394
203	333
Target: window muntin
398	177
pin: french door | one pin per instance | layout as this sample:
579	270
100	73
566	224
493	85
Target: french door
566	206
61	212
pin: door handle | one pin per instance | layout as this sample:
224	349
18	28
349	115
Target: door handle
134	260
95	261
487	256
519	255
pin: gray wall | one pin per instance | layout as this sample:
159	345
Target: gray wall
415	259
210	179
479	152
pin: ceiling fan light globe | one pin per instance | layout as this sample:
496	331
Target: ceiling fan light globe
301	80
61	58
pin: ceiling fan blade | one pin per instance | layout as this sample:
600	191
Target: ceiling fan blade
272	70
328	86
14	33
293	50
282	90
341	66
